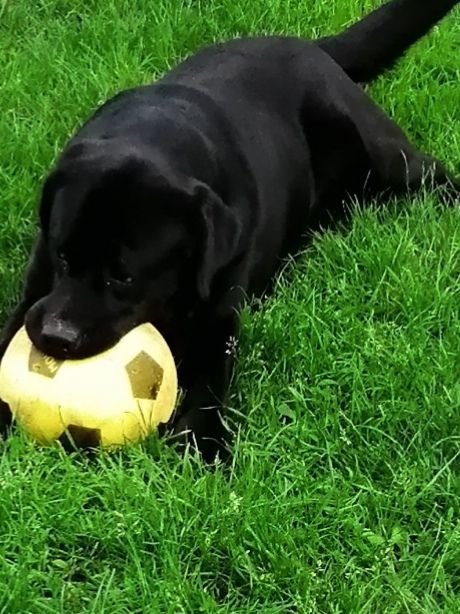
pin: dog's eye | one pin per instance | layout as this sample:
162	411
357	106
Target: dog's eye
62	264
119	274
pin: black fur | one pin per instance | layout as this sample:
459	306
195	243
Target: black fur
376	42
177	200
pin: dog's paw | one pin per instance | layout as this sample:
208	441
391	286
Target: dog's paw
6	419
202	432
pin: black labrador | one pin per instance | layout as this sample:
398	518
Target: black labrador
176	201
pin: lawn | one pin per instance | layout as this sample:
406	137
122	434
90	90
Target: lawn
344	490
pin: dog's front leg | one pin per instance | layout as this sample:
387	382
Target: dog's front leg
37	283
205	374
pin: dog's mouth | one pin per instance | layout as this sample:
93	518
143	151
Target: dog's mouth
85	346
64	340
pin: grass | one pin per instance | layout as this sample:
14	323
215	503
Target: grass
343	494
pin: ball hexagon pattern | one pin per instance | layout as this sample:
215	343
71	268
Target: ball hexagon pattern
116	397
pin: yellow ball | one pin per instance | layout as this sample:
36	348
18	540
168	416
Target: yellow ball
110	399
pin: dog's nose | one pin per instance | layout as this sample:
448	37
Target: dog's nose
60	338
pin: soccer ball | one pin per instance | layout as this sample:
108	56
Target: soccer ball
114	398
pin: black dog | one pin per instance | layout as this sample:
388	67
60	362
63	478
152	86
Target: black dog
177	200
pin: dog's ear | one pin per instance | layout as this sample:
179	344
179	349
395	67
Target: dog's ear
50	187
220	236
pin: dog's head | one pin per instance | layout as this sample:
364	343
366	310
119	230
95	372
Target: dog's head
130	240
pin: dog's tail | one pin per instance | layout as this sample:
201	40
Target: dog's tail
374	44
